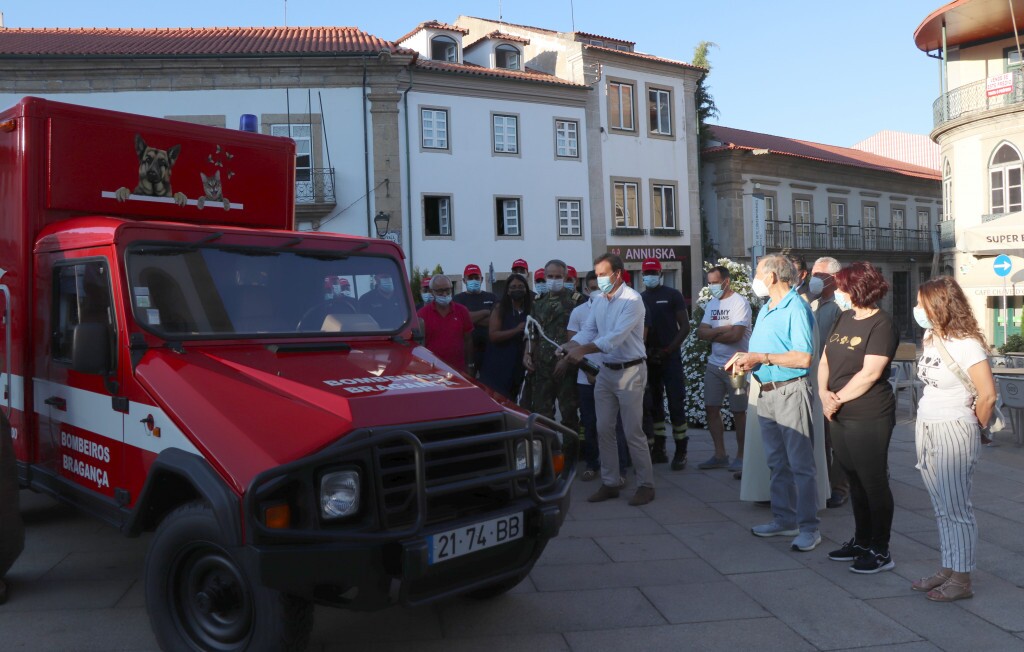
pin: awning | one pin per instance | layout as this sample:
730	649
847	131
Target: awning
996	237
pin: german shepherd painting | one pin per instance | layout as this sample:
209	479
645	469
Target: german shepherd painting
154	173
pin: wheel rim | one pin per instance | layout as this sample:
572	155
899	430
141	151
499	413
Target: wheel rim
210	598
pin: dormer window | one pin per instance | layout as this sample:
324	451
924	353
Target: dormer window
444	48
507	57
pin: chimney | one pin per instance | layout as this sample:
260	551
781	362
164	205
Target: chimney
1	20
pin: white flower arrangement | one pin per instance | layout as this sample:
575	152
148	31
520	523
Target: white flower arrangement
696	351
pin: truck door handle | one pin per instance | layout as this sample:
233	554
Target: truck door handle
57	402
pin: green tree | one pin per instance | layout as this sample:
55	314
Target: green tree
706	109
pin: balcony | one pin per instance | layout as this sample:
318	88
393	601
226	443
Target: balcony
996	216
825	238
315	186
972	98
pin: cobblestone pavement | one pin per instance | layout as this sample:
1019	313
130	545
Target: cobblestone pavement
682	573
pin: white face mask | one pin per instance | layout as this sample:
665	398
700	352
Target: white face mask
815	286
760	288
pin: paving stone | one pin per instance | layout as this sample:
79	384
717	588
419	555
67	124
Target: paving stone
81	630
678	572
946	625
361	628
32	565
561	611
905	520
911	496
997	601
880	585
135	596
920	646
47	595
821	611
610	527
713	486
761	634
616	508
923	546
673	505
98	566
730	548
704	602
531	642
572	551
644	547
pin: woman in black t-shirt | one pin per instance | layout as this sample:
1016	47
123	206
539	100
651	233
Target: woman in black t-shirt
858	401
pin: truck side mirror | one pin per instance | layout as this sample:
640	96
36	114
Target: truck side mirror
90	349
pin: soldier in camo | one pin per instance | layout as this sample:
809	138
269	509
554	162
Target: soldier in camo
552	312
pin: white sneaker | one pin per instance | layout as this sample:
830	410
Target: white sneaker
773	529
807	541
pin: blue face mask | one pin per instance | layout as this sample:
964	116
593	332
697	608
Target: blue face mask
387	285
922	318
716	290
473	286
443	300
556	285
570	285
652	280
427	297
540	288
604	284
843	300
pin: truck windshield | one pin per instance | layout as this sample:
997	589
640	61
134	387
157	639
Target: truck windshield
181	291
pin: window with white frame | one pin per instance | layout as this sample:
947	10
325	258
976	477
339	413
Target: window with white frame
1004	172
620	106
663	206
659	107
508	216
869	224
434	128
569	218
770	218
627	209
505	134
803	221
302	134
837	221
507	57
437	215
567	138
924	220
947	192
444	48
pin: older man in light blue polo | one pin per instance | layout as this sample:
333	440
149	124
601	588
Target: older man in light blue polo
779	355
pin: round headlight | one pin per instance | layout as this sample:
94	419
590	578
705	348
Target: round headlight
339	494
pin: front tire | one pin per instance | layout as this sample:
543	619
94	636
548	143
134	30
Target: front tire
200	598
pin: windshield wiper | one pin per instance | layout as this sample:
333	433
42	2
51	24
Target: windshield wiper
303	347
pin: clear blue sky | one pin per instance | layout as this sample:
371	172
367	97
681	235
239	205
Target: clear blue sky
831	72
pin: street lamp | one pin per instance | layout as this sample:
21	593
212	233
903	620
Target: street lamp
381	222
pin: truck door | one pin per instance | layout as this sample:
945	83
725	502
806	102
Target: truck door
81	434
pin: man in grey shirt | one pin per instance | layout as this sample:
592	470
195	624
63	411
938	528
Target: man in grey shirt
826	312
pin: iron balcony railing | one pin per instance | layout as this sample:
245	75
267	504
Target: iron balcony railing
947	234
996	216
315	186
973	98
823	237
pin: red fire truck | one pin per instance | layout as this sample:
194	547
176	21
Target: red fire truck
172	363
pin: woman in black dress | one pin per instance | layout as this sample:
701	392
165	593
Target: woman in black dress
503	361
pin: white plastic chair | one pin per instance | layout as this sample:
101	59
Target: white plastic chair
900	379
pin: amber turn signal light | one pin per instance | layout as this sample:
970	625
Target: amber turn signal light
278	517
558	462
8	125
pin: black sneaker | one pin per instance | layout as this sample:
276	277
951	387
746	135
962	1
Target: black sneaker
873	562
849	552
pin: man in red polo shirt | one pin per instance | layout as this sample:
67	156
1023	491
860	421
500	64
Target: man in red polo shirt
448	326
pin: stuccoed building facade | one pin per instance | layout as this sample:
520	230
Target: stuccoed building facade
823	200
979	127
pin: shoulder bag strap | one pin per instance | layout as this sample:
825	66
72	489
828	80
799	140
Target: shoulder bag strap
952	365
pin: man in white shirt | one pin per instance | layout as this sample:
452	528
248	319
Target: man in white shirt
615	328
726	324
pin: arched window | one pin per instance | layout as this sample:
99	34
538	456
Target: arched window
444	48
507	57
947	191
1004	174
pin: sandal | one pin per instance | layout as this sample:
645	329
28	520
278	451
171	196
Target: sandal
926	584
950	591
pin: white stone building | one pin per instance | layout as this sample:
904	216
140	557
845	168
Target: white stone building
979	127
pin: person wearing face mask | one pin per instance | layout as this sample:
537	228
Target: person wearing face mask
726	324
958	401
384	304
570	284
425	295
780	355
826	312
502	369
670	325
540	285
801	285
520	267
853	382
447	326
552	311
479	304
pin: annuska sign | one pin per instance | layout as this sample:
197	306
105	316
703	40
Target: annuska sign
630	254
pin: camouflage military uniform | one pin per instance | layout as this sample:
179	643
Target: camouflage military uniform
552	311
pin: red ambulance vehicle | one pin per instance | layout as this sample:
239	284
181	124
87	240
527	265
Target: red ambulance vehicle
172	363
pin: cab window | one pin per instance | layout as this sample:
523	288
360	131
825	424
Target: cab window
81	295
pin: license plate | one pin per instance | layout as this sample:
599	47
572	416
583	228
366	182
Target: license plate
464	540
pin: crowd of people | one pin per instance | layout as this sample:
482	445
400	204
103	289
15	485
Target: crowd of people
604	358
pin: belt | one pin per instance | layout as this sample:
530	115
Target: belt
623	365
767	387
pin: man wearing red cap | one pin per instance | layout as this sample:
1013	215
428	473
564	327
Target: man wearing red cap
479	304
669	326
425	295
570	285
519	266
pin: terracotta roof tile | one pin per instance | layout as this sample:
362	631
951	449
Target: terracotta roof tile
499	36
641	55
187	41
432	24
733	139
498	73
605	38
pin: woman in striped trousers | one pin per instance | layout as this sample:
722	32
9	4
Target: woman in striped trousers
949	420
